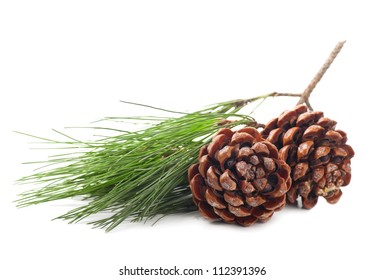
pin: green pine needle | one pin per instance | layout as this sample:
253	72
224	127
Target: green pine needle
132	175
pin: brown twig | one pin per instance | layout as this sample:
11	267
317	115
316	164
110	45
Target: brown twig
307	92
304	97
274	94
242	102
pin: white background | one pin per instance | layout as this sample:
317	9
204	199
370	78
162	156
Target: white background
67	63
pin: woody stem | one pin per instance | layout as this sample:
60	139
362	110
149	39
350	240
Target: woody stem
307	92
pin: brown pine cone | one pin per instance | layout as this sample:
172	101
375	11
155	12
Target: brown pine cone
318	155
239	178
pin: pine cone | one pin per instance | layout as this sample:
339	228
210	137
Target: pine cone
239	178
317	154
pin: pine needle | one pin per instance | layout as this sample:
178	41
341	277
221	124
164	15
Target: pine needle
132	175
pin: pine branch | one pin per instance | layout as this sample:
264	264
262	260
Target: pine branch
141	174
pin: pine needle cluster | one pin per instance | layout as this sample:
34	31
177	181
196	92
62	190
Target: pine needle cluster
134	175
